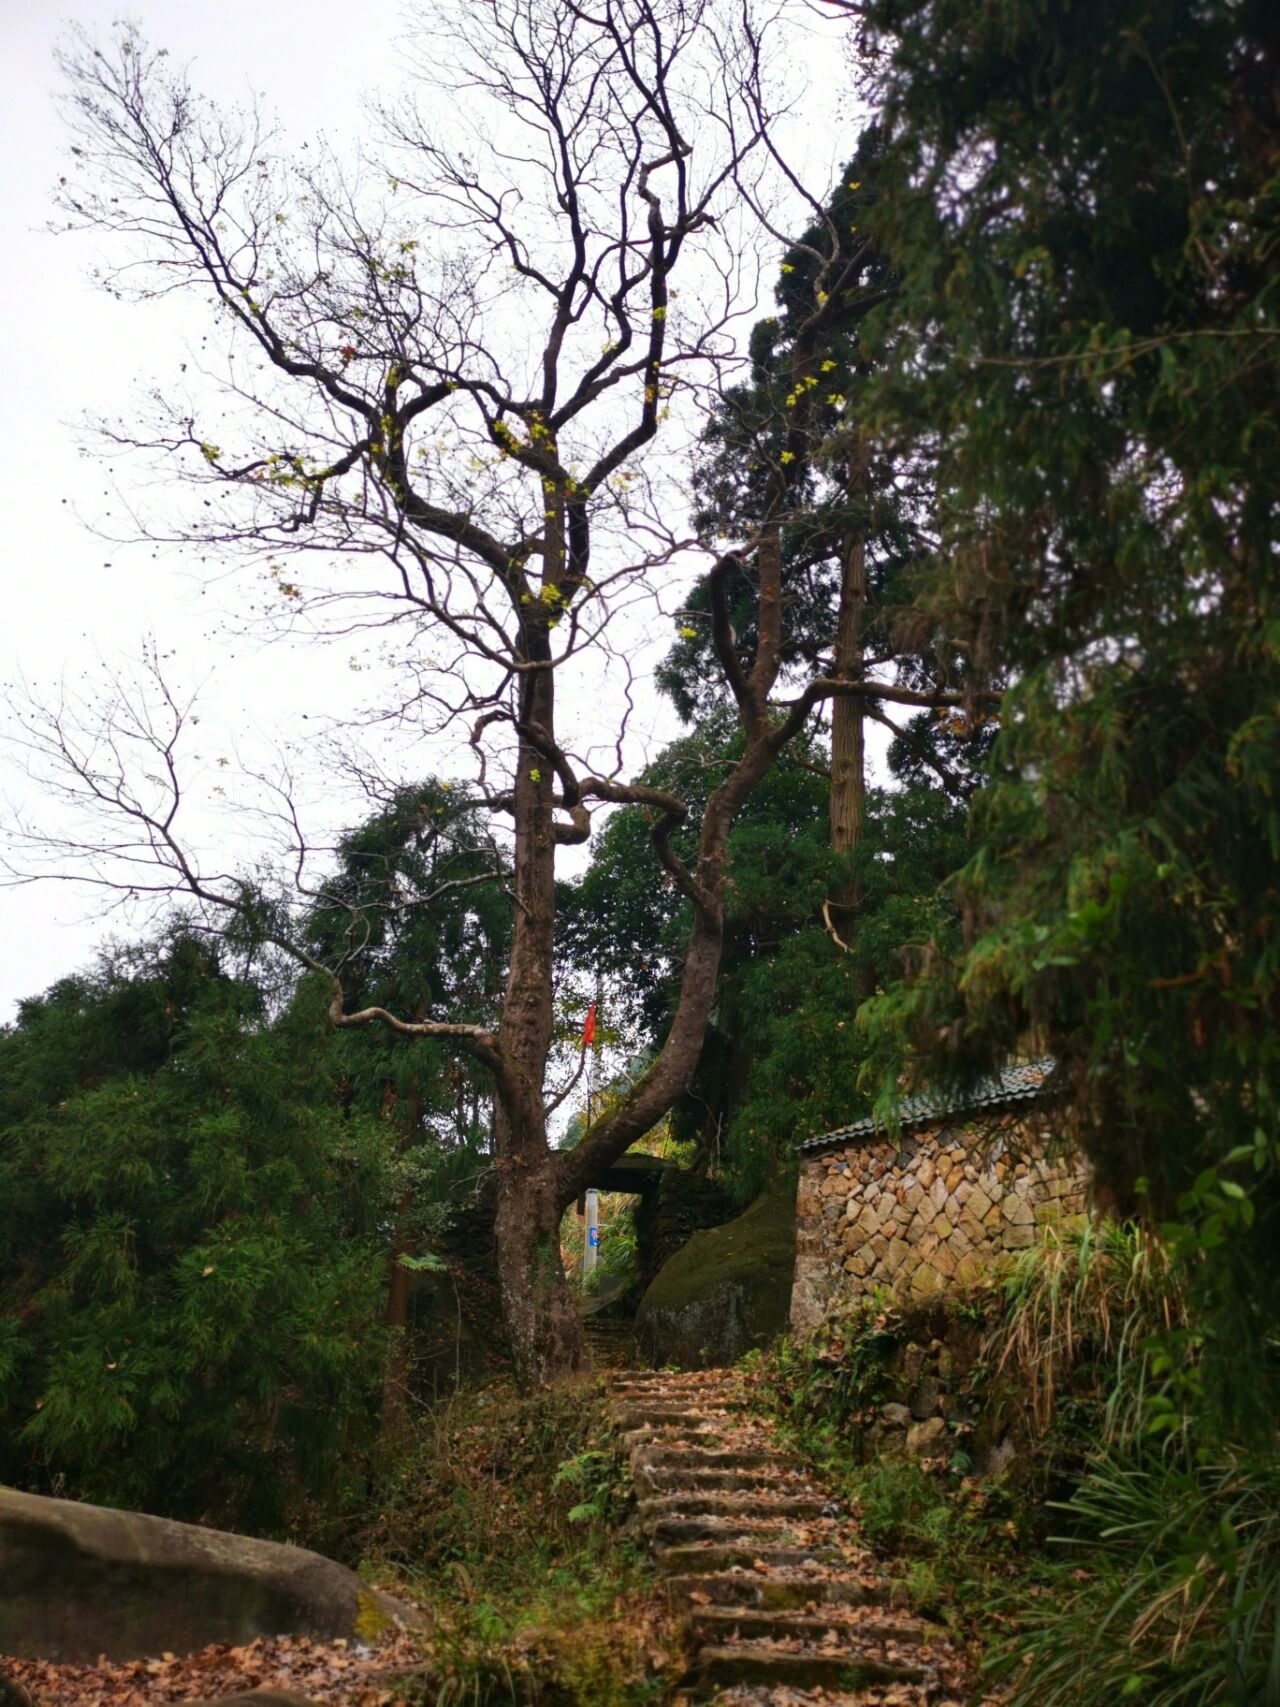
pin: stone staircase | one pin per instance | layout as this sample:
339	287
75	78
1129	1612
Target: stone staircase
782	1604
610	1342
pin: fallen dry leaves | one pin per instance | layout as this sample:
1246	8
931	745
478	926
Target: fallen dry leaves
351	1673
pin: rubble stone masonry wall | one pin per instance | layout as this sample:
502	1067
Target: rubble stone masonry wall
922	1215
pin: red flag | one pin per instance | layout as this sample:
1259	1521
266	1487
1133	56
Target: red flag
589	1028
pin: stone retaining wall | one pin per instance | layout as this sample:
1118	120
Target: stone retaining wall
922	1215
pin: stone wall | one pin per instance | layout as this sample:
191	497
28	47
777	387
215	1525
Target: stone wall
922	1215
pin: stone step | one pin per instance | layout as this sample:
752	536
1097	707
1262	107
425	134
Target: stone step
771	1665
634	1414
729	1396
701	1479
712	1502
707	1557
677	1528
855	1626
783	1607
692	1379
883	1695
780	1588
632	1440
715	1458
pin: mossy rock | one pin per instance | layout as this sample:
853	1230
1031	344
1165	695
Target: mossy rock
727	1292
79	1581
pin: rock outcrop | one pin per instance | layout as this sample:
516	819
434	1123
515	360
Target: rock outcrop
726	1292
79	1581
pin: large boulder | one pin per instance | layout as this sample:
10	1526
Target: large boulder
79	1581
724	1293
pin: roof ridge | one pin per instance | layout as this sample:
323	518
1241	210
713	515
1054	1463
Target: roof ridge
1021	1081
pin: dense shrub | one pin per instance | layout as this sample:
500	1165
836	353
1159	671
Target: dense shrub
192	1250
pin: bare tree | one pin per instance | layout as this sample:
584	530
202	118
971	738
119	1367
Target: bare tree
442	374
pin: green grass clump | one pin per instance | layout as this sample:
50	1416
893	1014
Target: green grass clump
1135	1557
505	1516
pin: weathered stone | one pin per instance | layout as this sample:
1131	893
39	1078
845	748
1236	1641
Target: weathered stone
922	1401
81	1581
938	1211
727	1291
1018	1211
944	1261
924	1281
970	1268
898	1254
895	1416
257	1698
928	1439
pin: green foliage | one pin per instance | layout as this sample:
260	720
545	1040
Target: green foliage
1098	1309
954	1542
1162	1584
419	914
190	1251
1082	205
781	1057
1171	1594
1170	1588
510	1509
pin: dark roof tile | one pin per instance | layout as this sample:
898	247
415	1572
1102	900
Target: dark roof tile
1022	1083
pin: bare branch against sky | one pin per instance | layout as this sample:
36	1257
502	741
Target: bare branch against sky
80	599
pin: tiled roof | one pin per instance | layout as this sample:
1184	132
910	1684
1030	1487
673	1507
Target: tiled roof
1023	1083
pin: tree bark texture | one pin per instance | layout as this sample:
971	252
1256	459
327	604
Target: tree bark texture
848	806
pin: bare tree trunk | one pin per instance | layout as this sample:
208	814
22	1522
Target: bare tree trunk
613	88
544	1329
542	1322
848	806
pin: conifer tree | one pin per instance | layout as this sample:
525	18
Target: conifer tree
1083	206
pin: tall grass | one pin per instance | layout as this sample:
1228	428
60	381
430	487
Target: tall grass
1165	1589
1171	1597
1091	1308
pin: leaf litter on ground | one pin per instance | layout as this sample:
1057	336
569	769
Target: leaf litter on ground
356	1674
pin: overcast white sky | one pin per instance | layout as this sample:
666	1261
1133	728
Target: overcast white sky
70	600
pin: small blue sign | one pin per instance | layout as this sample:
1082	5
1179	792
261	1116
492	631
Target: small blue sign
593	1235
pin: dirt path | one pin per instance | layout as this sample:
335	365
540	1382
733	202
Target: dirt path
783	1604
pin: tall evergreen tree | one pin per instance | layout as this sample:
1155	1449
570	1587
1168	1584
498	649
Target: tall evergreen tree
1084	207
857	521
